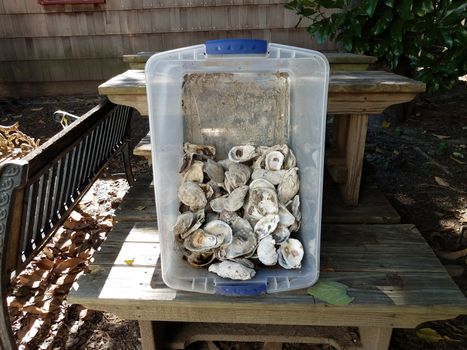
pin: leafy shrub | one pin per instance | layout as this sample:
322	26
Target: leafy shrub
424	39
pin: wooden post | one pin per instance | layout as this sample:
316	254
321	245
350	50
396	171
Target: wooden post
147	335
375	338
349	141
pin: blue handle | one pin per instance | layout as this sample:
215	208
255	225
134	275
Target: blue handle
236	46
246	289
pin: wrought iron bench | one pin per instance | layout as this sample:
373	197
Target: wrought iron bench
38	192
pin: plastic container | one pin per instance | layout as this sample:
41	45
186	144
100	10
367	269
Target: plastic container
237	91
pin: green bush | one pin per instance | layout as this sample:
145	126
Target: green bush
423	39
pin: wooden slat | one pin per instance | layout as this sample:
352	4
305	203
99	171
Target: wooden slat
28	6
161	20
349	92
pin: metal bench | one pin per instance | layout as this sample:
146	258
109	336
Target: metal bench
39	191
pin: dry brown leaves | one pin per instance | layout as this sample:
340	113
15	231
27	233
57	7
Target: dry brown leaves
14	144
37	302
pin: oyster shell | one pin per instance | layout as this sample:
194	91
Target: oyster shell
237	175
291	254
266	225
232	270
280	234
290	161
285	217
187	223
243	243
194	172
221	229
203	150
267	252
294	207
236	199
274	160
261	202
215	172
261	183
289	186
192	195
200	259
274	177
201	241
245	262
243	153
207	189
228	216
218	204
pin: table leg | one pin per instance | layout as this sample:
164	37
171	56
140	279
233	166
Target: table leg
349	141
147	335
375	338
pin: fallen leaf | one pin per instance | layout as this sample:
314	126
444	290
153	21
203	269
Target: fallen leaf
129	262
37	109
441	137
458	155
385	124
432	336
32	309
457	160
331	292
140	207
95	269
68	264
440	181
452	255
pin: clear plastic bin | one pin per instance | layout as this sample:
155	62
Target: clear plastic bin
241	91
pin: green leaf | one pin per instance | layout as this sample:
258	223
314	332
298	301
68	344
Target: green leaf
370	10
432	336
331	292
405	9
389	3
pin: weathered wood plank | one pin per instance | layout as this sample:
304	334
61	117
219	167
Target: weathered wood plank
349	92
27	89
147	335
160	20
28	6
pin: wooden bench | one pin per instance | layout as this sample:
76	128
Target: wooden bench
392	273
39	191
338	61
353	96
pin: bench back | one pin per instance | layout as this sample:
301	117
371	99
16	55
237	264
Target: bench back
39	191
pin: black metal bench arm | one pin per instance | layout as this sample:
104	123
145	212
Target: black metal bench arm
38	192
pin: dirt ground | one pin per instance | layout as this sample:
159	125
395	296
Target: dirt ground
418	161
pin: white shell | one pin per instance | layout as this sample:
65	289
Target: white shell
285	217
236	199
220	229
243	243
232	270
218	204
215	172
183	223
237	175
267	252
266	225
280	234
274	160
289	186
290	161
194	172
200	241
291	254
274	177
205	150
243	153
261	183
192	195
261	202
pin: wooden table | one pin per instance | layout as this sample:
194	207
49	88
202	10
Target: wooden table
353	96
392	273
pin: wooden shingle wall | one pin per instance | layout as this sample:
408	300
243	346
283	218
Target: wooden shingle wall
63	49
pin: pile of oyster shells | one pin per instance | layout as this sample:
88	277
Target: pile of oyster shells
237	214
